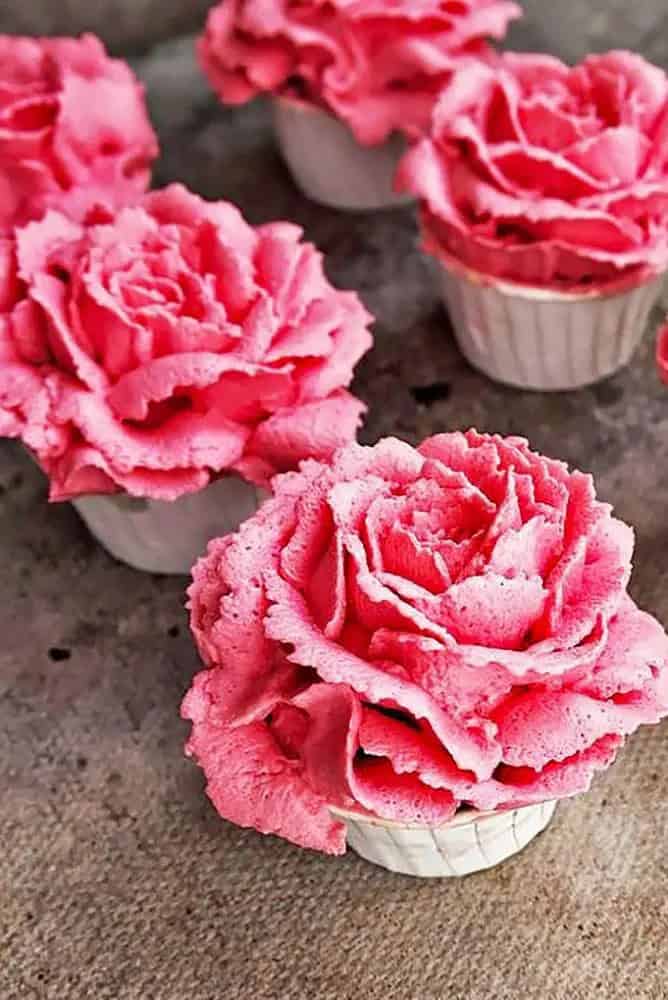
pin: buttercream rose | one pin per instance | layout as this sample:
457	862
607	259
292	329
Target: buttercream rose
408	631
545	174
172	344
376	65
74	131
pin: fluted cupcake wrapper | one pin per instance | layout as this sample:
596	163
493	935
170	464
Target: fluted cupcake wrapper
159	536
328	163
541	339
471	842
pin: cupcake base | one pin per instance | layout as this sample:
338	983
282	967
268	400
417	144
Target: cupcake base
168	537
471	842
541	339
329	165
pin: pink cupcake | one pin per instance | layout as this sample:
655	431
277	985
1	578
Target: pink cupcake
544	196
162	365
419	652
74	131
349	80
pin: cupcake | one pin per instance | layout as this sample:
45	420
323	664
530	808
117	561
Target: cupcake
164	364
419	651
349	81
74	131
544	201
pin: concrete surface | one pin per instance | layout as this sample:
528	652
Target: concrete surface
117	879
572	28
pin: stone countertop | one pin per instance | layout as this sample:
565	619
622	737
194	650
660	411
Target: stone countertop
117	879
125	25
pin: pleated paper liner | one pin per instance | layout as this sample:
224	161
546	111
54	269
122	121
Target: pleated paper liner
539	338
329	165
161	536
471	842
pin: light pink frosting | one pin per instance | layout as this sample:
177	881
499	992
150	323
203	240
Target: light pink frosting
410	630
376	64
545	174
170	345
74	131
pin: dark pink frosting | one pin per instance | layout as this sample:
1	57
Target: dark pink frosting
412	630
376	64
171	344
74	131
545	174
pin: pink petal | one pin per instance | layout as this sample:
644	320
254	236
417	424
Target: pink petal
314	526
84	470
133	393
390	459
541	660
27	403
542	726
326	589
530	552
634	658
251	782
395	549
9	282
288	622
331	740
549	126
375	604
28	334
544	174
176	205
259	327
592	575
492	610
185	440
313	430
311	339
519	786
412	751
350	342
614	157
228	605
403	556
402	798
36	242
662	353
464	691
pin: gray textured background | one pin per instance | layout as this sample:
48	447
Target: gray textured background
570	28
117	880
124	24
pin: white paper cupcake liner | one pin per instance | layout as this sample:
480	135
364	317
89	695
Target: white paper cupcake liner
162	537
469	843
328	163
540	339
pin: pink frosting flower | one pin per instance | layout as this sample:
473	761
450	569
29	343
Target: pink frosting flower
662	353
377	64
545	174
411	630
171	344
74	132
